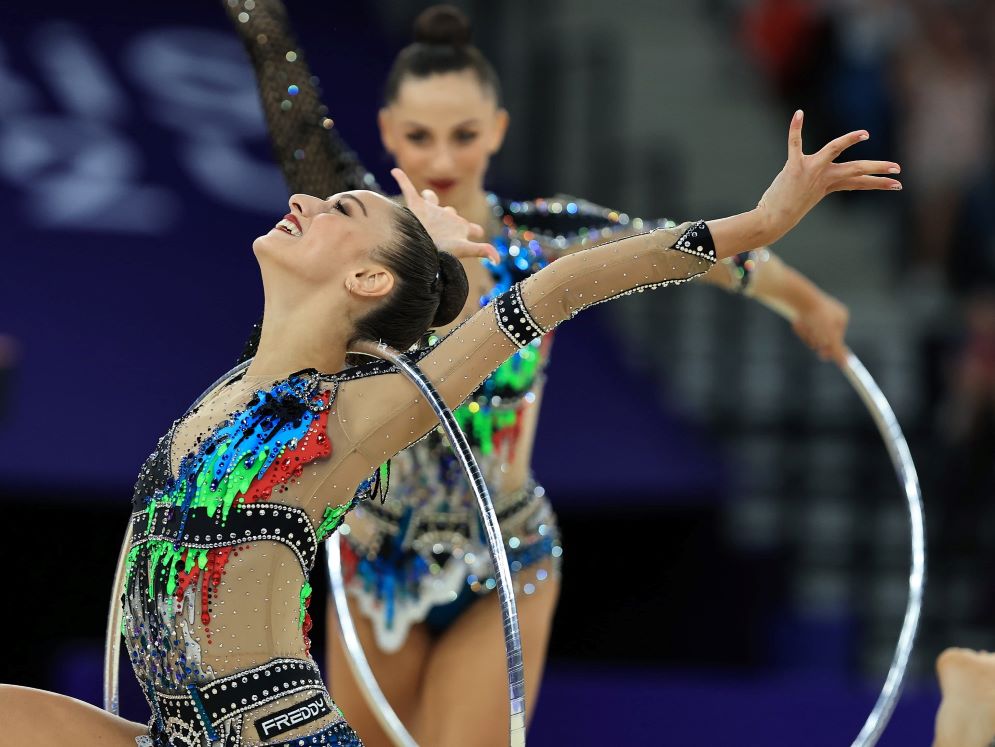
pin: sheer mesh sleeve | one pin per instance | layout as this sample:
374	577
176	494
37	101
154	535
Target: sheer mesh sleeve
313	158
382	416
568	224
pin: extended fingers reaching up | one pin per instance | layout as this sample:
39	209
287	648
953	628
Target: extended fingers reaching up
806	179
451	232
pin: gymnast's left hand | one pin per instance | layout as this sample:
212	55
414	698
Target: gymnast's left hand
821	325
450	231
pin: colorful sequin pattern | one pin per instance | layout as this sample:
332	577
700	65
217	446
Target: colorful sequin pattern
223	500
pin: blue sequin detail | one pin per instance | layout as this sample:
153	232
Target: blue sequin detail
518	261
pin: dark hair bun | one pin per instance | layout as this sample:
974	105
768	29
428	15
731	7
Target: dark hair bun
443	24
453	290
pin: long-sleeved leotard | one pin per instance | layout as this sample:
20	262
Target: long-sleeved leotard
230	508
408	559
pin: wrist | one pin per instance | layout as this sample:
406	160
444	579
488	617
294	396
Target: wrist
766	226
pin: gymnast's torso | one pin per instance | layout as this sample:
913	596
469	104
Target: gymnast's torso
229	509
225	525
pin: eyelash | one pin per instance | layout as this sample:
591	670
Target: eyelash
340	207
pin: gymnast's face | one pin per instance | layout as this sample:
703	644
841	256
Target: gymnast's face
328	245
442	131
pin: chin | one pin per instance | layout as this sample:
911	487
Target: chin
263	243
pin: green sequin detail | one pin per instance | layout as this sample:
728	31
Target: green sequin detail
305	593
331	519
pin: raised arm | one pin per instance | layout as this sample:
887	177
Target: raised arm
568	224
313	158
377	412
382	416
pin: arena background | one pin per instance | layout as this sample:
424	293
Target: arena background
736	550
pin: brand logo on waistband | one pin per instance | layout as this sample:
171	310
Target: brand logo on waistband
290	718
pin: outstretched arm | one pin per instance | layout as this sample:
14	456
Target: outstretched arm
567	225
313	158
382	417
377	412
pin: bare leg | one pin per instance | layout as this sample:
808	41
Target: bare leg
967	713
44	719
399	675
465	692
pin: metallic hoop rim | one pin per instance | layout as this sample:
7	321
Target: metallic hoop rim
509	609
901	458
891	433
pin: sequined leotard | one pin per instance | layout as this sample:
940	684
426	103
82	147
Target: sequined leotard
229	509
421	555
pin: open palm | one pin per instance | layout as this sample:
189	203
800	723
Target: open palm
450	231
806	179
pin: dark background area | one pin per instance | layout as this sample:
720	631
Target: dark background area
734	565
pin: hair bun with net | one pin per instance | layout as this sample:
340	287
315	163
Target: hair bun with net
443	24
453	290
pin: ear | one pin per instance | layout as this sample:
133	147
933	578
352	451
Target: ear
370	283
501	120
385	121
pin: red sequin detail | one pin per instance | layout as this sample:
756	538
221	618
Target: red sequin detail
313	445
509	434
306	626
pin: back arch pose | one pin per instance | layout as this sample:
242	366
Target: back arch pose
229	508
419	574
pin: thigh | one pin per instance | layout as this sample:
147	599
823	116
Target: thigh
43	719
465	699
399	675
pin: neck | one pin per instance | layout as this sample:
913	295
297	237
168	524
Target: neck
291	341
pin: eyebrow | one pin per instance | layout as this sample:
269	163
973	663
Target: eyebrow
464	123
358	201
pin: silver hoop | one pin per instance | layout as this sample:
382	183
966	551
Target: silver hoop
862	383
355	655
905	468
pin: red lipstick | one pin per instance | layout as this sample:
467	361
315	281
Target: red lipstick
441	185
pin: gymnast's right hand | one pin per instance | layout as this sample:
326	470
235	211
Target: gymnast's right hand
450	231
806	179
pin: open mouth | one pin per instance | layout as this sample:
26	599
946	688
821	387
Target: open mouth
290	224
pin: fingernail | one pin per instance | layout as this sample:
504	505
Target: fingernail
894	170
896	186
865	136
799	114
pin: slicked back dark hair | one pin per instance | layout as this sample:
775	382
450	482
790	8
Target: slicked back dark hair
430	287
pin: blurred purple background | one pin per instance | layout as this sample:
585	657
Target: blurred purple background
736	553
